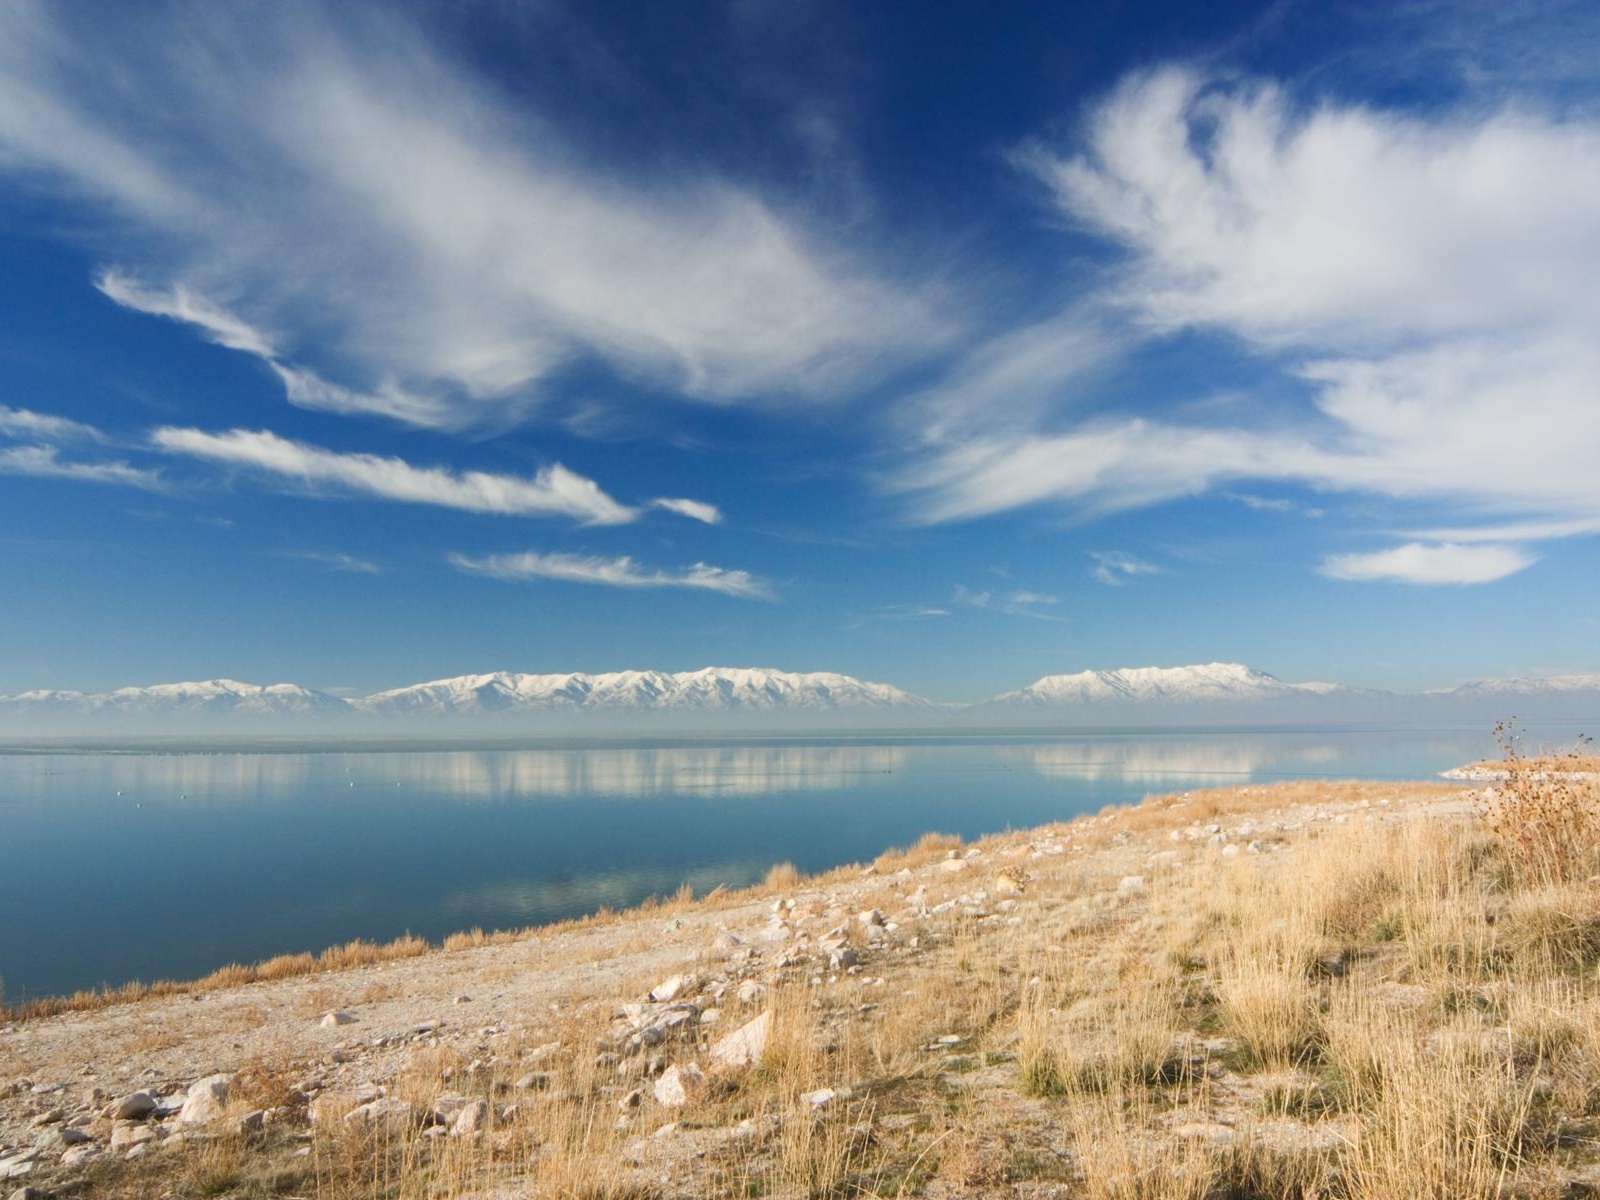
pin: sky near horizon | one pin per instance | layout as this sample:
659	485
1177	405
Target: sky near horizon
946	345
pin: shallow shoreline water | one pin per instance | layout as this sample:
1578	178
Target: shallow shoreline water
123	866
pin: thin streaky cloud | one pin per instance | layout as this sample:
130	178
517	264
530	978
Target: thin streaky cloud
25	424
44	462
178	303
695	510
623	572
1019	603
553	492
333	561
1115	567
1421	563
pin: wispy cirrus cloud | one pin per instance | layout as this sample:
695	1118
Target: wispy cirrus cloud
39	440
623	572
302	387
553	491
334	561
1115	567
22	423
1421	563
1018	603
695	510
45	462
420	244
1328	239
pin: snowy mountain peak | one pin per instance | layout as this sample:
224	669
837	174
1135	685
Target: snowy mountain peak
710	689
1207	682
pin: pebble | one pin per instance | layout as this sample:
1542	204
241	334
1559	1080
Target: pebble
332	1020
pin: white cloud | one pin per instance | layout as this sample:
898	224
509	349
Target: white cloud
347	563
24	424
303	388
1013	604
1115	567
553	491
45	462
695	510
404	228
621	572
1427	280
1514	531
1420	563
178	303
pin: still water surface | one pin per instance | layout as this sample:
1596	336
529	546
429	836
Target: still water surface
139	866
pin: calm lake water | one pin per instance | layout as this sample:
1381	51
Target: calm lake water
138	866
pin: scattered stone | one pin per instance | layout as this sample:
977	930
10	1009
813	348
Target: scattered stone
27	1193
542	1053
820	1098
670	989
207	1098
472	1119
333	1104
952	866
48	1117
677	1083
533	1081
127	1134
81	1155
60	1139
726	943
751	992
632	1100
745	1045
134	1107
870	919
388	1114
332	1020
251	1123
1131	885
1007	885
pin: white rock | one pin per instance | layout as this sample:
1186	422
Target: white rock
677	1083
134	1107
751	992
1131	884
472	1119
125	1134
820	1097
745	1045
952	866
671	989
389	1114
207	1098
80	1155
872	917
332	1020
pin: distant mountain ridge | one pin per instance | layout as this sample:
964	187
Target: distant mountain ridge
712	689
1221	691
1205	683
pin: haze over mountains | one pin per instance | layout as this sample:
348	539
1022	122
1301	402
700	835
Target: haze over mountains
746	698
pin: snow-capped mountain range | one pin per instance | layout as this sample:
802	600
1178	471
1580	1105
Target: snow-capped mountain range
498	699
1207	683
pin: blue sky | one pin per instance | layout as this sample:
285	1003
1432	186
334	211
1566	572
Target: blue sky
355	346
